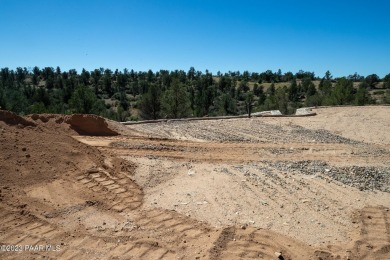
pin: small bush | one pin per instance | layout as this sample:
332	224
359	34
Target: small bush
379	92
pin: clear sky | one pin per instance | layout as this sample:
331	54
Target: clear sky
343	37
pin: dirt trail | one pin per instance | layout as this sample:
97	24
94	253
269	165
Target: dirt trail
240	152
281	192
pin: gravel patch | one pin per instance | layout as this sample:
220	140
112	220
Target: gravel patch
361	177
247	131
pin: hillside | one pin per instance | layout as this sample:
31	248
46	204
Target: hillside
129	95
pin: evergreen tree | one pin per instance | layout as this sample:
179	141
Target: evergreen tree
293	94
243	87
270	102
271	90
82	100
36	71
282	100
325	86
121	80
17	102
175	101
311	90
49	82
386	81
37	108
85	76
122	114
288	76
2	99
362	97
58	71
41	96
150	104
249	103
372	80
314	100
259	92
343	92
191	74
124	101
227	105
107	82
224	84
386	98
328	75
96	75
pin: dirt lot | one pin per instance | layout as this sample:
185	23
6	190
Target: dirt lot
262	188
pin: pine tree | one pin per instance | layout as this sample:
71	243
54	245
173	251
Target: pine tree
249	103
82	100
150	104
227	105
293	94
386	81
361	97
175	101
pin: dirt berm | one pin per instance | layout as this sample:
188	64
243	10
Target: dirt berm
13	119
89	125
82	124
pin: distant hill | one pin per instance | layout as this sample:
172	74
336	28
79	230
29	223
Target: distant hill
129	95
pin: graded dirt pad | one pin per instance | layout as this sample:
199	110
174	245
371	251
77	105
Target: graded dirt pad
227	189
364	124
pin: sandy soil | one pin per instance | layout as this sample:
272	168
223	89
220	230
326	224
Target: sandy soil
367	124
263	188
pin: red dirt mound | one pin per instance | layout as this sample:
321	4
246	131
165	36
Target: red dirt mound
82	124
89	125
29	155
46	117
11	118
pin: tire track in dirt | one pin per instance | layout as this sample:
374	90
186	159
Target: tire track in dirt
122	192
166	229
114	248
226	235
30	230
174	226
250	243
27	229
374	241
141	250
158	234
238	152
293	198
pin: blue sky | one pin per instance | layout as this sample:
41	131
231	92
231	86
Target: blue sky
343	37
